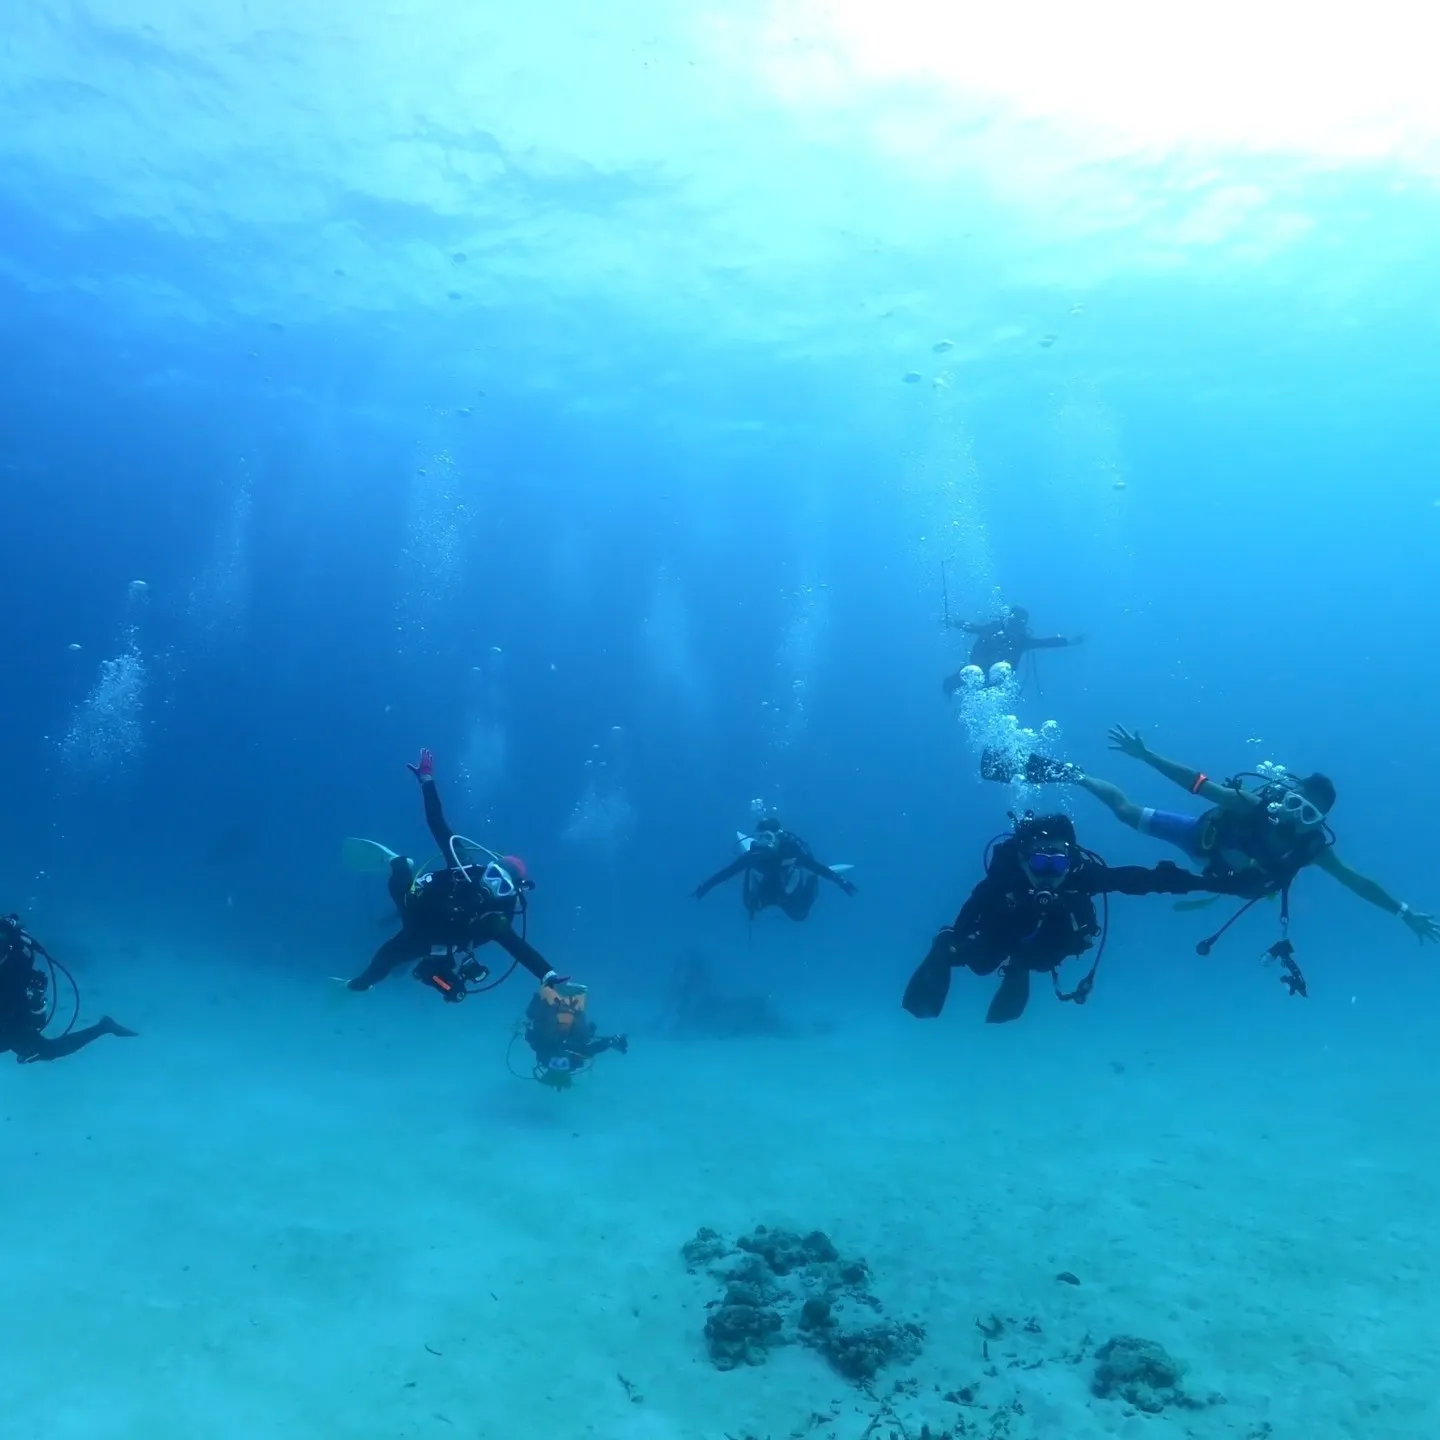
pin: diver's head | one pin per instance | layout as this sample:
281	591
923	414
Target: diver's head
768	826
1047	849
1017	619
1305	804
519	871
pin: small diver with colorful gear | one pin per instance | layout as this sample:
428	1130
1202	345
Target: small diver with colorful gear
472	898
29	998
562	1036
1034	909
779	870
1268	821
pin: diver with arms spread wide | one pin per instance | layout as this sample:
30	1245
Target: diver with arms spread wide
1033	910
778	871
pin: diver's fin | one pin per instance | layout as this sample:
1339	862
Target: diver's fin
365	857
1201	901
928	988
1037	770
840	869
1011	998
743	840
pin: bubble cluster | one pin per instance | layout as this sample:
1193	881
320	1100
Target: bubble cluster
108	729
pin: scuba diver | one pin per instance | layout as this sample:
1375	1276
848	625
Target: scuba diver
1005	641
779	871
28	1000
1277	828
1034	909
446	914
563	1038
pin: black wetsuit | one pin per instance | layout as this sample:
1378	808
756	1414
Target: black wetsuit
780	872
447	910
22	1004
996	641
1007	922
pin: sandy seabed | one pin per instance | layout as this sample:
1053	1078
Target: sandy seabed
289	1211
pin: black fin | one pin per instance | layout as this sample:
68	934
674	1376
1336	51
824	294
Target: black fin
1037	770
929	986
1011	998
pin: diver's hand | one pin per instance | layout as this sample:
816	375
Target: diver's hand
1077	639
554	977
1128	742
424	768
1423	927
849	887
699	893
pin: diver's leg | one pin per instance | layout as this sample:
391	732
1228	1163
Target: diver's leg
395	952
979	956
44	1048
929	986
1113	798
797	904
402	877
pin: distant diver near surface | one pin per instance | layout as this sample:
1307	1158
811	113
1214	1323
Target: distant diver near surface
472	898
28	1000
778	872
1033	910
1005	641
1273	828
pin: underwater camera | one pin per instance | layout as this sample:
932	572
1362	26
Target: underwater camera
559	1072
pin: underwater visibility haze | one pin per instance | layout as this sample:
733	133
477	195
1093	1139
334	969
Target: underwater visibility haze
650	410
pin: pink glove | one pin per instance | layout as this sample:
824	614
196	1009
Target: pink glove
425	770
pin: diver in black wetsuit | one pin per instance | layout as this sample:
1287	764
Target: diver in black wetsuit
447	914
24	1009
1034	909
562	1037
779	870
996	641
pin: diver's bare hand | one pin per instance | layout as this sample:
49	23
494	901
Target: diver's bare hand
1128	742
1423	927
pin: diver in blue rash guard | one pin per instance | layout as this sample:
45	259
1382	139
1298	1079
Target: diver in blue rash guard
1279	826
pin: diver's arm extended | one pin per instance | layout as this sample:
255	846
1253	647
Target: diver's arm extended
734	868
502	932
1423	926
1197	782
1167	878
810	863
1048	642
977	627
440	831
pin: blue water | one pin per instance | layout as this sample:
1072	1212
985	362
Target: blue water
603	402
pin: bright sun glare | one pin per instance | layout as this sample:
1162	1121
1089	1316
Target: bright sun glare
1342	81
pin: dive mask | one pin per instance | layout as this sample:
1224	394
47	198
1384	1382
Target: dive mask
1295	808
